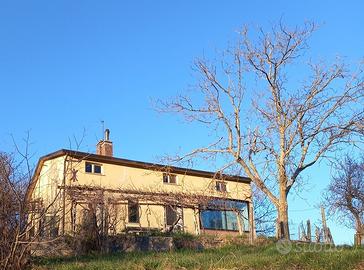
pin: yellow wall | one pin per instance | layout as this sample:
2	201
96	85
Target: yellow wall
50	177
191	221
119	177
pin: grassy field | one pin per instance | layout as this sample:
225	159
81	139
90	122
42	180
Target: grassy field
232	257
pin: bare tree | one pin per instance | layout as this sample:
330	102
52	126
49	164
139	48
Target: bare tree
23	223
344	197
271	111
11	214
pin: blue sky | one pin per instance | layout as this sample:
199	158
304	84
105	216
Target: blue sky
67	65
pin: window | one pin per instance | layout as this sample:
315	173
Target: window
221	186
222	215
174	218
169	178
97	168
219	220
53	223
92	168
133	212
171	215
88	167
48	226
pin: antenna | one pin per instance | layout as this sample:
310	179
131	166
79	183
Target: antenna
102	129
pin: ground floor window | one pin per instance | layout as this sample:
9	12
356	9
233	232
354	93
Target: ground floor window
171	215
174	217
133	212
225	215
48	226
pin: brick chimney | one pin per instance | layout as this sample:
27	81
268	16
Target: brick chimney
104	147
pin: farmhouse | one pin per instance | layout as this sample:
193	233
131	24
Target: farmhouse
120	196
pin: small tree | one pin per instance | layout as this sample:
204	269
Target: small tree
344	197
264	213
12	221
274	113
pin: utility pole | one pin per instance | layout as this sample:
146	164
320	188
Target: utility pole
324	226
308	230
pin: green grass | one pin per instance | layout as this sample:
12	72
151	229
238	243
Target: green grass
232	257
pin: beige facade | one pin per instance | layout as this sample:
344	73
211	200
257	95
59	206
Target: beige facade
132	196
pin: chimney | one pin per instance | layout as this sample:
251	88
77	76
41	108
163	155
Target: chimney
104	147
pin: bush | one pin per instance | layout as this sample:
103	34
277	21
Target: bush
186	241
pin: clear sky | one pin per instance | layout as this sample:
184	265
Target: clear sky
67	65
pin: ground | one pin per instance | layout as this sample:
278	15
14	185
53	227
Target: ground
268	256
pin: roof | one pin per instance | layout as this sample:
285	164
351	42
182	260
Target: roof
134	164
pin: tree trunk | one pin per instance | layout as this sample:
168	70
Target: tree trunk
358	225
282	219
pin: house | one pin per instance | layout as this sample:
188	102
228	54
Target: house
132	196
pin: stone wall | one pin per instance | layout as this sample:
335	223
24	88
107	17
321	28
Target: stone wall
139	243
130	243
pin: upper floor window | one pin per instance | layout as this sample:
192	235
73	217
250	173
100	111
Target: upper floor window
169	178
93	168
221	186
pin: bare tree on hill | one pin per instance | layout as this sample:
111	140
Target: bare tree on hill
272	113
344	197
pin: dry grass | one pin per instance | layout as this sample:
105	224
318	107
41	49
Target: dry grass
231	257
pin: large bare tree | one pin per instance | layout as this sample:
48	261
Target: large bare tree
271	110
344	197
